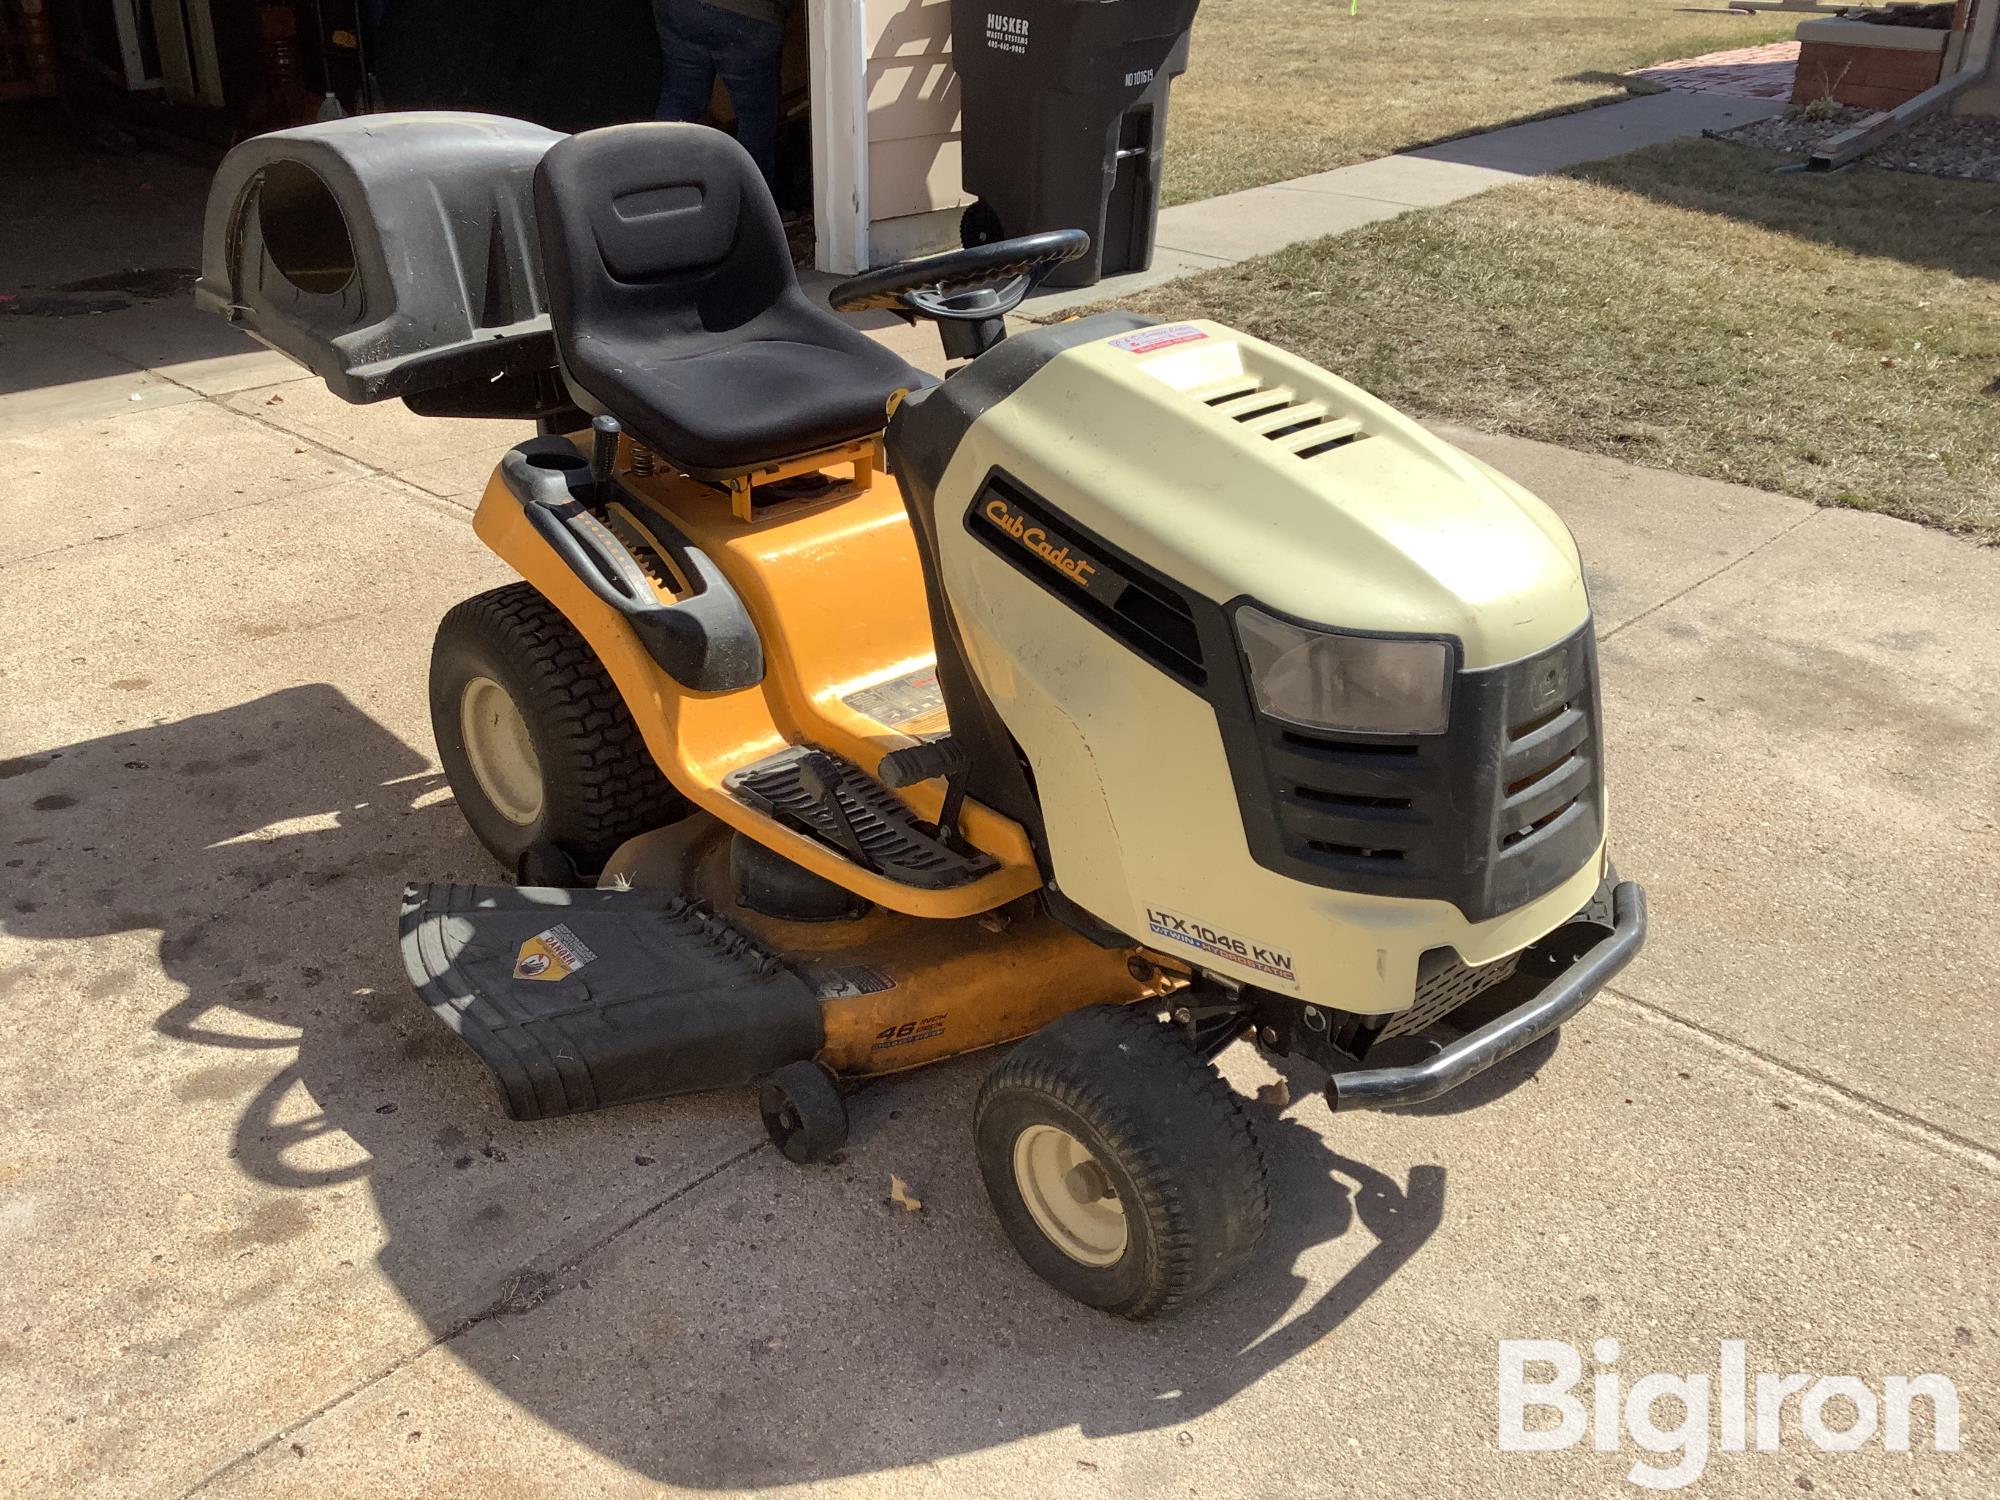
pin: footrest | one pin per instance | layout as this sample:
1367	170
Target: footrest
901	847
575	1000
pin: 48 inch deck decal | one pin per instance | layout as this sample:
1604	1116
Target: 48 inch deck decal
1192	932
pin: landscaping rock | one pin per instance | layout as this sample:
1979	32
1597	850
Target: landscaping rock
1943	145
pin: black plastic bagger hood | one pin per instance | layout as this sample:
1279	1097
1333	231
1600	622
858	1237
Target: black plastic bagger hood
389	254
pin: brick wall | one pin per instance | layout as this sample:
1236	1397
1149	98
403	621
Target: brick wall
1870	77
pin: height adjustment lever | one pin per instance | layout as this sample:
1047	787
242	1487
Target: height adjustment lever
603	453
922	762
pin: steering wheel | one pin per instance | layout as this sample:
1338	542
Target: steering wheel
962	286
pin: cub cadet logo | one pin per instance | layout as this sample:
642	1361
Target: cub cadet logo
1180	928
1036	540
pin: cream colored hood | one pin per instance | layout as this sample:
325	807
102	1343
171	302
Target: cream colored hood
1236	468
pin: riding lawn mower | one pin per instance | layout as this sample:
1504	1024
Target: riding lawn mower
1136	689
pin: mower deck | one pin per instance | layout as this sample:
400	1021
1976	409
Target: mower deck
577	999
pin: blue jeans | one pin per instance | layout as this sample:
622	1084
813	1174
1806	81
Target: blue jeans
699	43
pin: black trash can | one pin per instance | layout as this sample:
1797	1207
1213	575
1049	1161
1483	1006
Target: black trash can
1064	121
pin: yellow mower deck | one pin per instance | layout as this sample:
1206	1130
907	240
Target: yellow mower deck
897	993
659	983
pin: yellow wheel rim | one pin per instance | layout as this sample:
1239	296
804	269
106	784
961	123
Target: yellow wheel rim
1070	1196
501	751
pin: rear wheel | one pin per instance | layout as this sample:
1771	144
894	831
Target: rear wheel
548	768
1120	1164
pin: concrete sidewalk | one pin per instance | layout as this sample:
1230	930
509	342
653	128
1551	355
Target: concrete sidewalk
1239	226
266	1232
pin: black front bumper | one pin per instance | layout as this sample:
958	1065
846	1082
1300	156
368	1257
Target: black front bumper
1500	1038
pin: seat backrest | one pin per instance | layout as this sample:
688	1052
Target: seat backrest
656	231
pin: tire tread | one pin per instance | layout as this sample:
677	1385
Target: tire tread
1205	1223
608	788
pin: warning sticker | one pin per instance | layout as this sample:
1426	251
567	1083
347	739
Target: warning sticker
912	703
1146	340
555	954
845	984
1191	932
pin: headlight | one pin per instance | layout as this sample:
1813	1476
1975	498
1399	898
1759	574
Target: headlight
1362	684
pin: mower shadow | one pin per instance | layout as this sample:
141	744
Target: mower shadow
266	843
790	1326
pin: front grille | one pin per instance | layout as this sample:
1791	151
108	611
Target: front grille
1444	983
1549	769
1498	810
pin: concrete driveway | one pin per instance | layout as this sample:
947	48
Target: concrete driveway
266	1232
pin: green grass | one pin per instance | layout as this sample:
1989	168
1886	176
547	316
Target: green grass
1832	337
1283	88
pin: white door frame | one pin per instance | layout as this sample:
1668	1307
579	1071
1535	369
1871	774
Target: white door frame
125	15
185	31
837	35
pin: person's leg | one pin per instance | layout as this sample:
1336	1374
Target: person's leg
687	71
747	62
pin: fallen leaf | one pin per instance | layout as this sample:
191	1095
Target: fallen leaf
902	1197
275	401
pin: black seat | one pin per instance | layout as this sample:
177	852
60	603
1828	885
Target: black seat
676	308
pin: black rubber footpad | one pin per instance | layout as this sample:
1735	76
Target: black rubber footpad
897	843
577	999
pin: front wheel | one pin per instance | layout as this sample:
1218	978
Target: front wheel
1121	1166
547	765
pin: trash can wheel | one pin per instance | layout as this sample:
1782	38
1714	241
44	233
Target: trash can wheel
979	225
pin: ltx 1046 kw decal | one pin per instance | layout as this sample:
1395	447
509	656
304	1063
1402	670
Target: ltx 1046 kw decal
1203	937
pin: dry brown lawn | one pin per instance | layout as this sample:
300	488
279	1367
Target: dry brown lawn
1282	88
1832	337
